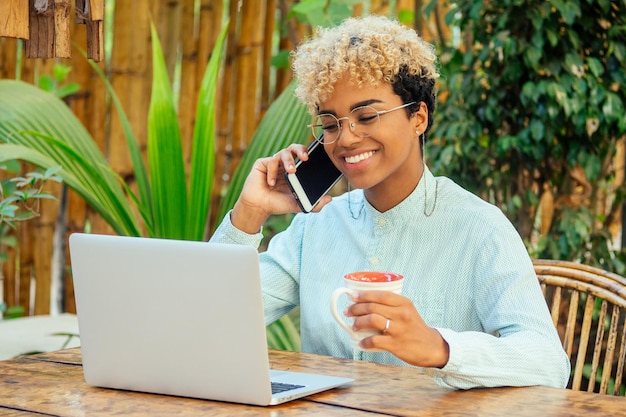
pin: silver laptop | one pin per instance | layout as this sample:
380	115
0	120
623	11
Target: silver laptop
179	318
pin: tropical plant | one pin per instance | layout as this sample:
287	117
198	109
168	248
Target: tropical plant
531	114
56	84
19	201
39	128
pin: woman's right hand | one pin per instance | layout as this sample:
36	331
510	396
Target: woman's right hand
265	191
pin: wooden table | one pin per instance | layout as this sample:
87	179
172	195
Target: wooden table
52	384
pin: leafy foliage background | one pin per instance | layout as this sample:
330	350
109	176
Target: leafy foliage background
531	113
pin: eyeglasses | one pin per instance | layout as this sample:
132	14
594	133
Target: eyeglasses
364	121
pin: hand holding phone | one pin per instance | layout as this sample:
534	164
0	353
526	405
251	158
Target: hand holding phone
313	178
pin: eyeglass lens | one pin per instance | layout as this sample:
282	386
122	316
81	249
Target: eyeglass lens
363	121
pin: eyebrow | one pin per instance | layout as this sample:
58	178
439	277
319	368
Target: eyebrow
352	107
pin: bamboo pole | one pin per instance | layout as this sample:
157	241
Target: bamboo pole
615	221
24	272
245	82
95	30
295	32
8	57
131	79
10	278
24	256
96	8
209	26
44	227
268	32
14	293
40	43
225	115
169	19
189	85
62	47
42	232
14	19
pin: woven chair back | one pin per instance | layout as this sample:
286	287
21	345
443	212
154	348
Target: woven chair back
588	308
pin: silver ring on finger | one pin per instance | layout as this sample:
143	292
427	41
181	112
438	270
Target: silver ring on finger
386	329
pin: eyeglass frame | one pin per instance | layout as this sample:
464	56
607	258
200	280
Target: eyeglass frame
352	124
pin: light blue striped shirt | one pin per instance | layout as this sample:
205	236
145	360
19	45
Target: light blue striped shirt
466	270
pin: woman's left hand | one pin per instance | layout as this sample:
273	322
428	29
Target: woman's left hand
407	336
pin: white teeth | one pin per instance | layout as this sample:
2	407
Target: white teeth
358	158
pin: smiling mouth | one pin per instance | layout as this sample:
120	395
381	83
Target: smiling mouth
358	158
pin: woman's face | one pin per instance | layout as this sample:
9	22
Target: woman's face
387	164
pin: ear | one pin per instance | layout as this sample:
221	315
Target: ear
420	118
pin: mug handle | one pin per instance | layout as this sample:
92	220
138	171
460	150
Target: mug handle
333	307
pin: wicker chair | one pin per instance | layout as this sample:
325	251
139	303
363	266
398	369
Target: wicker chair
579	298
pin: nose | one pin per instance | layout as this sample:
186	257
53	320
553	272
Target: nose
351	123
348	136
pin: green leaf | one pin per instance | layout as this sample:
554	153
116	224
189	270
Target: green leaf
536	130
68	89
8	210
139	168
50	173
613	107
281	59
13	312
533	55
406	16
83	177
10	241
46	83
60	72
553	37
44	131
165	153
12	166
283	334
595	66
203	149
569	10
322	12
574	64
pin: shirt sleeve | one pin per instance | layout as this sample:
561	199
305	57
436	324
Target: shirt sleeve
227	233
519	345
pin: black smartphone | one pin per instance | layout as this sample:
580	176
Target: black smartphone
313	178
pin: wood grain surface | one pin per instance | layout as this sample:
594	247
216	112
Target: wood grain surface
53	384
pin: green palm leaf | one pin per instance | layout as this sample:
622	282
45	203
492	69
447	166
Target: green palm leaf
203	148
38	124
11	151
139	168
165	153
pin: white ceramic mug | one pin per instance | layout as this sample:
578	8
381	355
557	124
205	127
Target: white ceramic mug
364	281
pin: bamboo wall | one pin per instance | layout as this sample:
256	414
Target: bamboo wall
187	30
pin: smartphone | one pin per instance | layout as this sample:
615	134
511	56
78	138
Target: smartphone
313	178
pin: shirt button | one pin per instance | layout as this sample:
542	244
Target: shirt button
382	222
374	261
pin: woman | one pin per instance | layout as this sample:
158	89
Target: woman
471	310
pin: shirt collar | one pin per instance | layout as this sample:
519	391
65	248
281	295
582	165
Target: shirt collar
421	201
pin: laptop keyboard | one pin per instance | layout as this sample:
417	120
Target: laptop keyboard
281	387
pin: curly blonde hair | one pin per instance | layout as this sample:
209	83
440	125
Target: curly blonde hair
371	49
